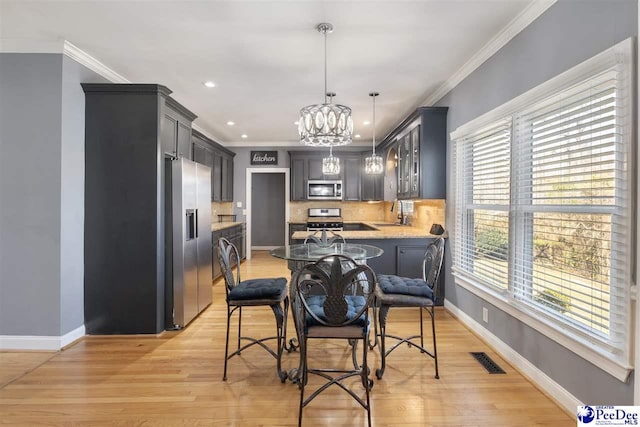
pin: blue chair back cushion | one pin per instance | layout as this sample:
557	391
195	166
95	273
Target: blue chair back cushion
390	284
355	303
257	289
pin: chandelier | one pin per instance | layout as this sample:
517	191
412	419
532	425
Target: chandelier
331	164
328	124
373	164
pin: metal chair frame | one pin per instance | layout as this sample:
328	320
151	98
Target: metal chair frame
227	254
431	266
329	277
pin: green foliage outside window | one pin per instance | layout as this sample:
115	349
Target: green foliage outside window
492	242
554	299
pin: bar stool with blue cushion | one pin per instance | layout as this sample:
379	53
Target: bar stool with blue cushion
270	292
395	291
331	301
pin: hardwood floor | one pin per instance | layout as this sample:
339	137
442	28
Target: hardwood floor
176	380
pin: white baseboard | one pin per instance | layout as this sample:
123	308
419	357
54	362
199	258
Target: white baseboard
42	343
565	399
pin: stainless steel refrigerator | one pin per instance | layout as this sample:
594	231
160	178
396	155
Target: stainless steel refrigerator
190	219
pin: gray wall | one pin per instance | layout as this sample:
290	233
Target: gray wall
566	34
241	162
41	193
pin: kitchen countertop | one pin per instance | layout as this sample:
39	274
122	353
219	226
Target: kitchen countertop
215	226
387	231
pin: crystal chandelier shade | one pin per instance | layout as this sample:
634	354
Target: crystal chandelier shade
331	164
324	125
373	164
328	124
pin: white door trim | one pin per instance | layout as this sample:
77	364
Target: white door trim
250	172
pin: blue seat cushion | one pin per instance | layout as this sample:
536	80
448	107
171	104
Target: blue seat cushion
355	303
390	284
259	289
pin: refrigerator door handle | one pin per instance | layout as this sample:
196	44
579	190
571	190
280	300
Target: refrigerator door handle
196	223
191	225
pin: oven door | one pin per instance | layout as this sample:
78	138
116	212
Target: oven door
324	190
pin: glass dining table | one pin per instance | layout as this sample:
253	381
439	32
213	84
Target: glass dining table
299	255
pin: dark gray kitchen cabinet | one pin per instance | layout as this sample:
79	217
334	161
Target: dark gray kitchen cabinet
314	168
216	190
132	132
296	226
421	144
298	179
307	166
220	160
227	179
203	154
351	171
176	130
409	260
372	186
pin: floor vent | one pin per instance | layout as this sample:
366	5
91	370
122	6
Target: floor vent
488	363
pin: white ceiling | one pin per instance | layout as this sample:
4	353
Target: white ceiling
266	57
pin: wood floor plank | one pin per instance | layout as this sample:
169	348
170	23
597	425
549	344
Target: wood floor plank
176	379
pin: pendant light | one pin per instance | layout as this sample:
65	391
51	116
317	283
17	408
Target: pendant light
331	164
373	164
328	124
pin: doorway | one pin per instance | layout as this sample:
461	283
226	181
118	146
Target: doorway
267	191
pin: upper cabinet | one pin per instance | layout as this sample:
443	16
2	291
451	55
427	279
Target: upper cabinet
372	186
356	185
176	129
220	160
420	143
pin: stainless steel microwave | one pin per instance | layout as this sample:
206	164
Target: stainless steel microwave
324	190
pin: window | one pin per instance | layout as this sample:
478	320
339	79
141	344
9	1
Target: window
543	203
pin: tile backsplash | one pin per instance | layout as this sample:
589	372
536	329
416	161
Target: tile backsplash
220	208
425	212
351	211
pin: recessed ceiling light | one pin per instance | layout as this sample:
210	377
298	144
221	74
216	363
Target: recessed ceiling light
357	135
209	84
366	123
230	123
244	135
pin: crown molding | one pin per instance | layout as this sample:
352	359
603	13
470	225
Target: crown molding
519	23
284	144
63	47
82	57
206	133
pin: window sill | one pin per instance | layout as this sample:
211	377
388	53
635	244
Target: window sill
572	342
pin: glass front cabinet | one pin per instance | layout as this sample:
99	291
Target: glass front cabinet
421	145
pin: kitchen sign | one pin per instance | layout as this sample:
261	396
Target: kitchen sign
264	157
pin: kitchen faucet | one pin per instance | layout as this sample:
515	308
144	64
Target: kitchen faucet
402	217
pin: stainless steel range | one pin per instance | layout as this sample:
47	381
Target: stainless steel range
324	219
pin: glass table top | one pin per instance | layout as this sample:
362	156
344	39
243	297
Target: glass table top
313	251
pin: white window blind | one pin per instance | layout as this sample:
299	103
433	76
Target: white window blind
483	194
572	207
543	203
